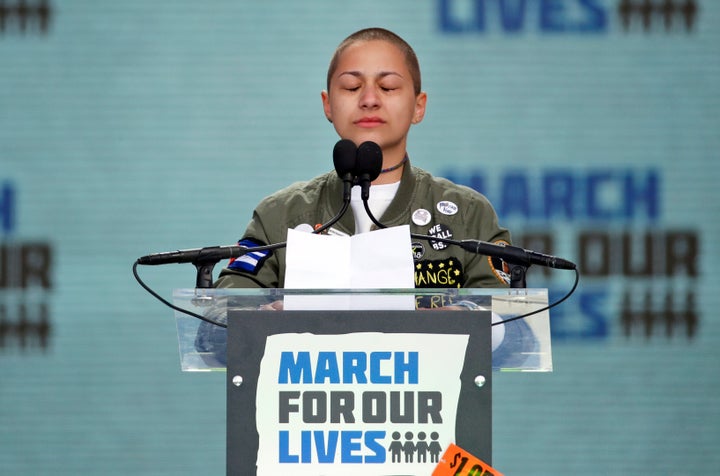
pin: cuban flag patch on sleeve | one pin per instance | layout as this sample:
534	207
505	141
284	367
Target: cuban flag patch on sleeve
250	262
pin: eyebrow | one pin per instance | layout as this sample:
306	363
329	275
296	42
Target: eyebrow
380	75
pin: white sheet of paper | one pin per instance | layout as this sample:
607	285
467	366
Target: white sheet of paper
380	259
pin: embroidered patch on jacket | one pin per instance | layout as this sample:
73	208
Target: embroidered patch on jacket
439	273
499	267
418	250
250	262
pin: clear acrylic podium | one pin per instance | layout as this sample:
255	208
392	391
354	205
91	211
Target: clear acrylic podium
359	382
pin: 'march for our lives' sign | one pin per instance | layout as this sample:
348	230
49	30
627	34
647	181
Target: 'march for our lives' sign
356	392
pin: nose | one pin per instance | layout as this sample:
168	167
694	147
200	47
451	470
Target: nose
369	99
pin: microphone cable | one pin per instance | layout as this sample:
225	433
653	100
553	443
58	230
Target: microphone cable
168	303
546	308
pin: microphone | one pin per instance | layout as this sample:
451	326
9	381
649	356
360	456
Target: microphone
368	166
196	255
516	255
344	158
517	259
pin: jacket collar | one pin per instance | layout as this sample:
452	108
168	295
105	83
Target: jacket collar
397	212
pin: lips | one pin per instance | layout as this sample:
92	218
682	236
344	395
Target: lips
370	121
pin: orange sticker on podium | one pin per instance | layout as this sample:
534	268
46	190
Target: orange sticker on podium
458	462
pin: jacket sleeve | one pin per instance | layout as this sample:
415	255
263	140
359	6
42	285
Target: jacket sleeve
486	271
255	269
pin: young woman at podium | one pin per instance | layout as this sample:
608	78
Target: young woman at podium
374	94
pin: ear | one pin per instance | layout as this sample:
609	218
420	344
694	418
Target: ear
420	103
326	105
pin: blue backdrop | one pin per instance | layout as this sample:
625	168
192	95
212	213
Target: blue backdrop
134	127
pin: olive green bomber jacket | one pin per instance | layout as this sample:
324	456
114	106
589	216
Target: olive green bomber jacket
430	205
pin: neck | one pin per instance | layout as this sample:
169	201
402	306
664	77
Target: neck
393	166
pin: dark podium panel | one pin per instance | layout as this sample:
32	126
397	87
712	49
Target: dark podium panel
247	334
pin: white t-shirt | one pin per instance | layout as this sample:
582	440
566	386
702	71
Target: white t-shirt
379	200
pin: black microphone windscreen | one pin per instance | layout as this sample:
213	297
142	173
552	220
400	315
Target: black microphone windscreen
369	160
344	158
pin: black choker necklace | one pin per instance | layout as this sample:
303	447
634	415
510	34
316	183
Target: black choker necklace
396	166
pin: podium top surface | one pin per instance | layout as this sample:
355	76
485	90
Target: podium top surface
279	292
359	299
520	345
